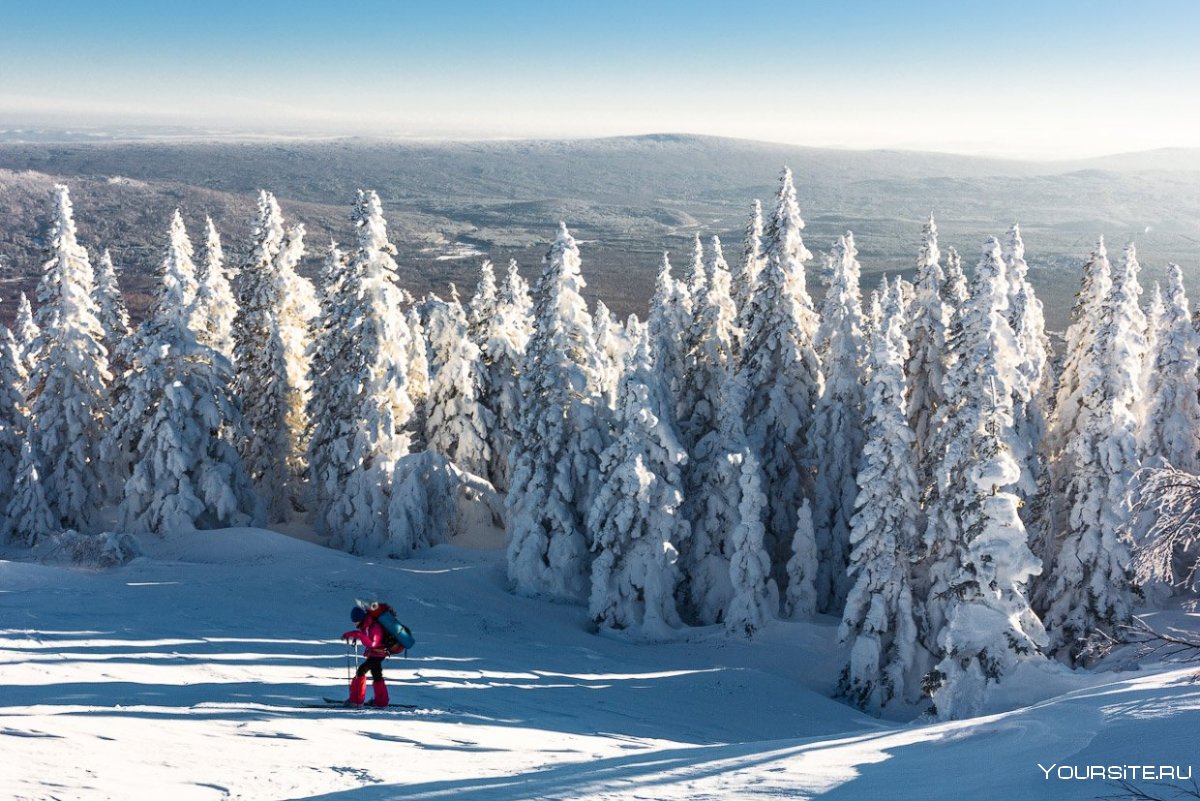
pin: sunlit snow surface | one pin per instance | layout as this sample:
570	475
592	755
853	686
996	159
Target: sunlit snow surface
184	675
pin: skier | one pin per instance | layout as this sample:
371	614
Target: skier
371	634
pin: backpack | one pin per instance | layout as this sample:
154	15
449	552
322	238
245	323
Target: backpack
397	637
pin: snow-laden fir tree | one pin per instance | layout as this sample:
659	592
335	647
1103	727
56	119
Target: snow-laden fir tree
180	421
713	505
783	372
328	356
635	519
755	596
554	463
459	426
879	622
417	353
483	303
1156	307
612	349
745	274
69	380
300	310
711	340
1085	319
837	433
710	477
1089	586
954	289
697	276
356	445
671	310
270	343
1170	433
28	516
990	626
1032	381
802	567
515	290
110	311
14	420
504	338
26	331
928	321
215	305
978	561
980	335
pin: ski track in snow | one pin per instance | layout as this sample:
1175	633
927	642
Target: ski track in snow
184	675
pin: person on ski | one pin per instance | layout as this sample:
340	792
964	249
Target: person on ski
370	633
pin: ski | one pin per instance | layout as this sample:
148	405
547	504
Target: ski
334	703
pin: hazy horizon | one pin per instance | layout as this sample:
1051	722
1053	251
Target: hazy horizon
93	132
1021	80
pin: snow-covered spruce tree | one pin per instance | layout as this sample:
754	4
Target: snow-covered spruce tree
270	337
483	303
26	331
928	321
1089	586
717	504
697	277
980	335
745	275
781	367
69	380
954	289
515	290
28	516
1156	308
754	597
986	623
802	568
711	339
1085	319
670	317
363	431
300	311
504	339
837	433
328	355
215	306
635	519
131	410
459	426
711	473
14	418
182	421
1171	430
990	626
554	462
110	311
417	353
1064	421
879	623
612	349
1032	382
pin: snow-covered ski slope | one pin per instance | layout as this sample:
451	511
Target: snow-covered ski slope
185	674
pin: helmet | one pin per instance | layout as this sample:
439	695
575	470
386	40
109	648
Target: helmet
357	614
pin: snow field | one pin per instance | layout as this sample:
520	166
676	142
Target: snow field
183	674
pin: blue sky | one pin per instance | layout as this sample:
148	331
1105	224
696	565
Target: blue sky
1012	77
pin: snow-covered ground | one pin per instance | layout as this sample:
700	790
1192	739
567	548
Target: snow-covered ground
185	674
